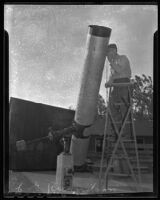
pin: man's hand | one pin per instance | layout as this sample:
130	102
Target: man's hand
114	65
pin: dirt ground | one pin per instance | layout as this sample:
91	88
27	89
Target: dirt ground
83	183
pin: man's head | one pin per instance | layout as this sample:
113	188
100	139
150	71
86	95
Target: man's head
111	51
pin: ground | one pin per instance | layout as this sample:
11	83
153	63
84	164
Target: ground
83	183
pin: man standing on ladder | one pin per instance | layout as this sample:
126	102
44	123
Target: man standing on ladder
119	115
120	72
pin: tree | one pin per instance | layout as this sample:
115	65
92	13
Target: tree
101	106
143	97
71	108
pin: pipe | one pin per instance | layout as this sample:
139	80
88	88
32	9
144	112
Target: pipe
97	41
86	110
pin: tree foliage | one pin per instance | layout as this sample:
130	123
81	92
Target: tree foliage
101	106
71	108
143	97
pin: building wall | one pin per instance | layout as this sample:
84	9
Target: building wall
28	121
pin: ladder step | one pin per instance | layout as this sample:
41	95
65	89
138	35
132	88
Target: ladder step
120	103
129	140
122	84
141	168
119	174
123	140
127	122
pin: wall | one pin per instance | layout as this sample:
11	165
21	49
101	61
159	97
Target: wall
29	120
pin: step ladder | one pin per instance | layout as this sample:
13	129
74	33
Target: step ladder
114	142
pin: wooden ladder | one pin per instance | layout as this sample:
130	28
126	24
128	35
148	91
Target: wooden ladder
114	148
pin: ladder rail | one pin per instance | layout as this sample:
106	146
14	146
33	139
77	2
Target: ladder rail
135	143
104	141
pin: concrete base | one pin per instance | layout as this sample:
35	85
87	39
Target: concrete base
64	172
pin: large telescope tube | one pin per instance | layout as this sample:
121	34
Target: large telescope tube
97	42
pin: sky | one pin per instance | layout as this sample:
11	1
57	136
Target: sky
48	42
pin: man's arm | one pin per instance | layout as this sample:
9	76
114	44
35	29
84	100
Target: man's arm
118	67
120	64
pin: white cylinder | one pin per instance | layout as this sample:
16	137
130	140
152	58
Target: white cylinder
79	150
97	41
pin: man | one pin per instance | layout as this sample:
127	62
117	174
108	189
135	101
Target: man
120	66
120	72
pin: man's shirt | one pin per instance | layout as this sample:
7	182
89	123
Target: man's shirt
122	68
